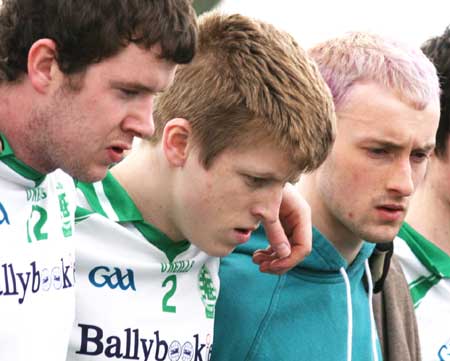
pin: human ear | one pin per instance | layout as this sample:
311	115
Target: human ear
41	59
176	141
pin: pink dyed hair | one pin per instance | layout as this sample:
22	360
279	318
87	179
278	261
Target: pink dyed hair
358	57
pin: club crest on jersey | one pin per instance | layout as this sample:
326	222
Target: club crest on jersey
66	218
102	276
208	292
3	215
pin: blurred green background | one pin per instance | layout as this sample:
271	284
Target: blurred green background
201	6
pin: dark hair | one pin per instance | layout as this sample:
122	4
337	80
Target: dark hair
89	31
438	50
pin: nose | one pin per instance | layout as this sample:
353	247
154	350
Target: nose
267	205
139	119
401	179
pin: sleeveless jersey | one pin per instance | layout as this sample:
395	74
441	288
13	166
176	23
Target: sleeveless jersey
37	297
427	271
140	296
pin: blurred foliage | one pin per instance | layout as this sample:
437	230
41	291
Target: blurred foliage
201	6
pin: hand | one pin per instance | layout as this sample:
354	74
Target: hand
290	237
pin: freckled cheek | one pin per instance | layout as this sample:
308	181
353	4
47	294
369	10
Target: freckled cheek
364	179
211	196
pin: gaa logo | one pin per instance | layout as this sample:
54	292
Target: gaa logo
101	276
444	352
3	215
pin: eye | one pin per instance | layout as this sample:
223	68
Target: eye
128	93
419	157
378	151
255	182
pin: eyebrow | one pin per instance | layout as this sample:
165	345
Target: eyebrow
273	177
134	86
395	146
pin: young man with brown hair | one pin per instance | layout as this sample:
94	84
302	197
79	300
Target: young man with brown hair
244	118
77	82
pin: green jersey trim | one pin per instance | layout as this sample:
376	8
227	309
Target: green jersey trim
420	287
109	199
82	213
431	256
112	201
436	261
91	197
161	241
7	156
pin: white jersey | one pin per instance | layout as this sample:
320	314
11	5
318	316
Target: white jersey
427	271
140	296
37	297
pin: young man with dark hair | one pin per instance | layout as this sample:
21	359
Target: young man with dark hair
78	80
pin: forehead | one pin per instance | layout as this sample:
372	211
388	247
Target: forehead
264	158
137	65
375	112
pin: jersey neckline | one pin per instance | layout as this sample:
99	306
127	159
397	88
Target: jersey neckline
8	157
111	200
430	255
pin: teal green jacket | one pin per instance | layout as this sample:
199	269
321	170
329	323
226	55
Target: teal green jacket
306	314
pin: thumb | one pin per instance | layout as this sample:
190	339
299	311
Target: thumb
277	238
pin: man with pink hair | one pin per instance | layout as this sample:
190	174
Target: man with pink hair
387	103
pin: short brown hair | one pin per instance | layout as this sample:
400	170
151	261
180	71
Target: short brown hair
89	31
250	81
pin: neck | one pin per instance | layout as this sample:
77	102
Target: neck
429	214
150	193
16	109
343	239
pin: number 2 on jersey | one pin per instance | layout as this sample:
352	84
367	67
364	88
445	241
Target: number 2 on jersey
172	280
39	223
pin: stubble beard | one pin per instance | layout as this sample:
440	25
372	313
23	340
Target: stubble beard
51	144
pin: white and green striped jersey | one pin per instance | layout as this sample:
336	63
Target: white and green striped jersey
37	297
427	271
140	296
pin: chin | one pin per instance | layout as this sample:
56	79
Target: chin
216	253
219	252
380	237
89	176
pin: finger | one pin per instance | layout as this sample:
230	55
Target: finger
266	255
277	238
300	249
